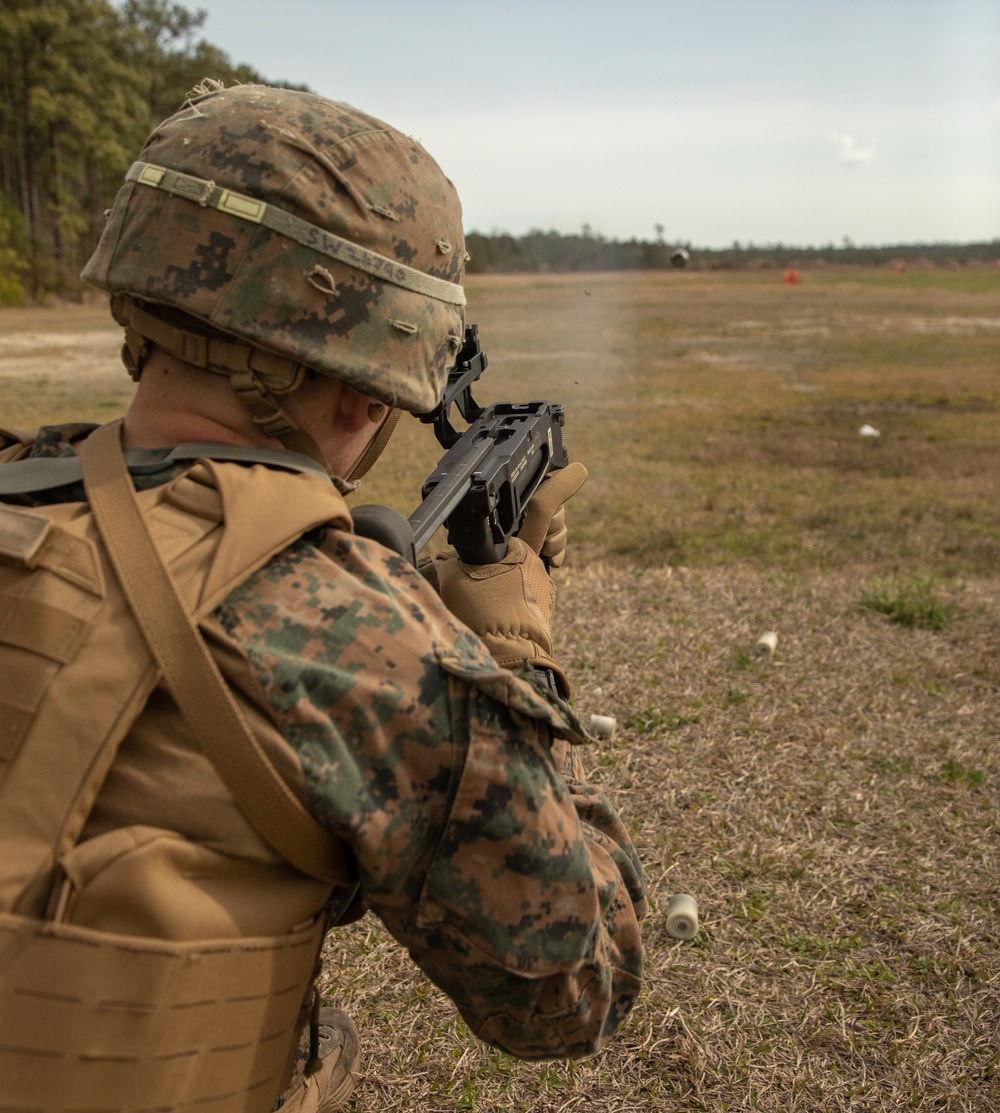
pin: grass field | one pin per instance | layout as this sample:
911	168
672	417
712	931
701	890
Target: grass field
833	807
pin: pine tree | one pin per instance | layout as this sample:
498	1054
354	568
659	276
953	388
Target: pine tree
72	113
81	82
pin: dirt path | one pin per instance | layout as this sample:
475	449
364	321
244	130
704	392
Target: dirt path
61	344
60	364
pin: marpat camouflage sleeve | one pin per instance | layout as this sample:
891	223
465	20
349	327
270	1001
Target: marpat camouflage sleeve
510	881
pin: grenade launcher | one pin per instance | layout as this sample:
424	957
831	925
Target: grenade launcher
481	486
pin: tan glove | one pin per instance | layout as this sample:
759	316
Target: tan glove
544	527
509	605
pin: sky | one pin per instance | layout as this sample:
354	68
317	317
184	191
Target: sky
803	122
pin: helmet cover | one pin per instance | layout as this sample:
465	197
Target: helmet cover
302	226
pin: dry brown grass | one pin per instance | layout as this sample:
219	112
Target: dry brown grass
833	808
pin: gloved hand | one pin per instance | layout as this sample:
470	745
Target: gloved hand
544	527
509	605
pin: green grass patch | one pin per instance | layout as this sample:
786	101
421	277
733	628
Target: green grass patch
652	720
914	604
954	772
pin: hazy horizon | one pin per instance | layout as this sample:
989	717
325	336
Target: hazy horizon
751	120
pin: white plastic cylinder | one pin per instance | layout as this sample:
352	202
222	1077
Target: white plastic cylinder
682	916
767	643
603	726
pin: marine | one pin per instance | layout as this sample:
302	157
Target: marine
229	723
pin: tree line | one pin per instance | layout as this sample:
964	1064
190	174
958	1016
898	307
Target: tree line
82	83
539	252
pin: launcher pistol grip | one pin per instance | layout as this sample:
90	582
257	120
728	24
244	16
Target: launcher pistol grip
497	464
481	486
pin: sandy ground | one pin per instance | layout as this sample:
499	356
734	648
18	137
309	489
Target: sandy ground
70	343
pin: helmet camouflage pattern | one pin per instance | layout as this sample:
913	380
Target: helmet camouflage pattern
301	226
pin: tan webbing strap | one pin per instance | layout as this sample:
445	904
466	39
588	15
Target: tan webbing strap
279	374
192	675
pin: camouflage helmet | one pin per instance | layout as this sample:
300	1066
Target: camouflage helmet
315	235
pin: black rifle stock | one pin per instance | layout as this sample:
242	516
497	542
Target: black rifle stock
481	486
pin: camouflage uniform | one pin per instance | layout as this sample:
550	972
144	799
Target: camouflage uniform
510	881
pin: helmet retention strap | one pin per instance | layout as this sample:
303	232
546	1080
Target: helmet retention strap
270	416
135	352
254	374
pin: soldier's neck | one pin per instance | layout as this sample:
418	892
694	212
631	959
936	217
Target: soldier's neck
175	403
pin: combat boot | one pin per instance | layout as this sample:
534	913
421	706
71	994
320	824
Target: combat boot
331	1083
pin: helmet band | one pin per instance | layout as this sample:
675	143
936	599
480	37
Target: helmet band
207	194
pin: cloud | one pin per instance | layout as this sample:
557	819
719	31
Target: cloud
849	151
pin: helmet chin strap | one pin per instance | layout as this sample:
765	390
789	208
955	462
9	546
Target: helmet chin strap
376	447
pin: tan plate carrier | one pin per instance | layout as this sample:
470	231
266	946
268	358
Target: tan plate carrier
92	1020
